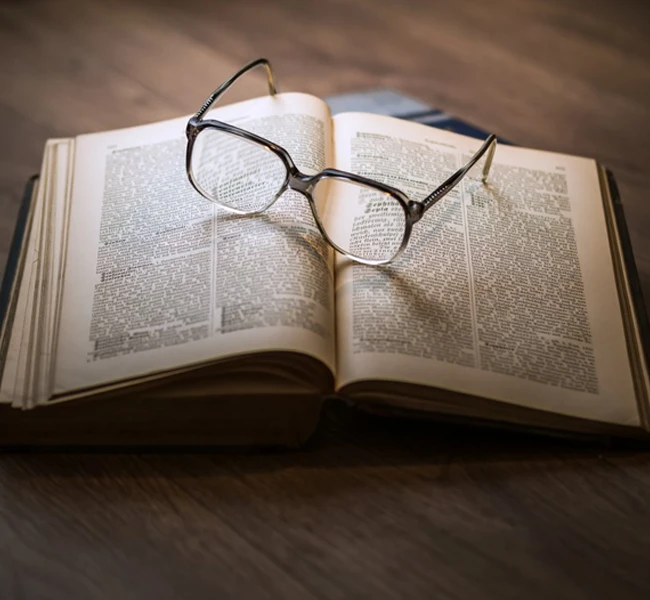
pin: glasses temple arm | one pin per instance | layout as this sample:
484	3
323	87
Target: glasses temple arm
214	96
441	191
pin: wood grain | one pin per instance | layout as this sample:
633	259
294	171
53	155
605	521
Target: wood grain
370	508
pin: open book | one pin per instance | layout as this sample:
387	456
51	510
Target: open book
142	313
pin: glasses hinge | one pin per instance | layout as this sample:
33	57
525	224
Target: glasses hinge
191	130
416	210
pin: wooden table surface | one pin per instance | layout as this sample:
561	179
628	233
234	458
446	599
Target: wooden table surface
370	508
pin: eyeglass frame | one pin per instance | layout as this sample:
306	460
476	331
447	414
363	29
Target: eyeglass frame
300	182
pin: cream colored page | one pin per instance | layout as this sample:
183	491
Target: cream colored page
54	241
158	277
506	291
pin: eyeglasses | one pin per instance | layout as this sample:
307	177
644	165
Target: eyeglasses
245	174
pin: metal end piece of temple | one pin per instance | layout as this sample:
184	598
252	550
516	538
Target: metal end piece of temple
270	78
492	140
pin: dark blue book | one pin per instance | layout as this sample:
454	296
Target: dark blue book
394	104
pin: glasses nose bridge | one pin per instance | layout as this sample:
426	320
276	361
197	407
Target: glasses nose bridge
300	182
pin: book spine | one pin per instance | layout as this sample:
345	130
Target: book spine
630	266
13	271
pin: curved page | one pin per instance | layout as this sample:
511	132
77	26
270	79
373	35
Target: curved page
157	277
506	290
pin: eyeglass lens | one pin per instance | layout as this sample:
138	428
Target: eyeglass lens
237	173
373	224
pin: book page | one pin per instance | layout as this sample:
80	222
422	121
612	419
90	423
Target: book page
52	261
159	277
506	291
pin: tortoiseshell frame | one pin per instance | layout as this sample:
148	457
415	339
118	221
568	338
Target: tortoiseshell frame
295	180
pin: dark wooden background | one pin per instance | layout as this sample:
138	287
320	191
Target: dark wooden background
370	508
